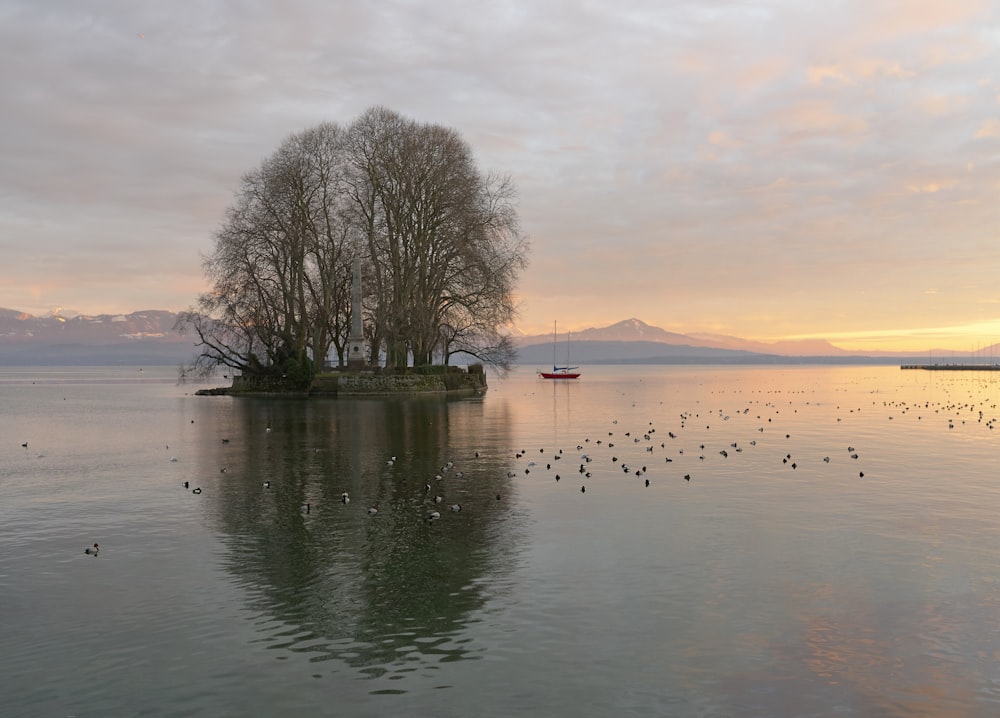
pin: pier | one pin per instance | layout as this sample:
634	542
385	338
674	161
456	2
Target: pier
953	367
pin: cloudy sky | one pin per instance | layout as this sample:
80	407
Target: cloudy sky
760	168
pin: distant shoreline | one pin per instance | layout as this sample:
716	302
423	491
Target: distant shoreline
130	361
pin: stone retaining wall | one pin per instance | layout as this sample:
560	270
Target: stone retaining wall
363	384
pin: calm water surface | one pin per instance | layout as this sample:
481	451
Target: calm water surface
811	542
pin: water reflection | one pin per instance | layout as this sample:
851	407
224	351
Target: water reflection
853	654
388	591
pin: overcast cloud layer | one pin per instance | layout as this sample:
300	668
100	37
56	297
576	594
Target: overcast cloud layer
765	168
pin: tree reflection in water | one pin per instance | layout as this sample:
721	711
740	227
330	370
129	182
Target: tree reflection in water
389	592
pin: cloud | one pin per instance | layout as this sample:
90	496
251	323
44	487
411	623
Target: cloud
943	104
812	117
930	187
818	74
696	164
857	70
890	19
719	138
989	128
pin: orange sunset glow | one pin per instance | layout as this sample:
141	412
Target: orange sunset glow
763	170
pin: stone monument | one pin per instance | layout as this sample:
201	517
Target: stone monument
356	340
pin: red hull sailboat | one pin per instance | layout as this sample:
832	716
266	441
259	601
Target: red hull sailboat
559	372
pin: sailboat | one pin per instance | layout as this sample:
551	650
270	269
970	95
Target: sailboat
559	372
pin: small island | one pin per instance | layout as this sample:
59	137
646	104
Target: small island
454	381
398	202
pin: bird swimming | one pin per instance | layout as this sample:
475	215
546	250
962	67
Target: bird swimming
92	550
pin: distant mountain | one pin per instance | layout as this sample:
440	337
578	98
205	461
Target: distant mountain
626	352
632	341
802	347
145	337
636	330
628	330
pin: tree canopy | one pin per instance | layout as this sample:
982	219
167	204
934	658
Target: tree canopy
439	240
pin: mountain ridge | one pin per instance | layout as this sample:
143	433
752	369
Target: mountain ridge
148	337
637	330
144	337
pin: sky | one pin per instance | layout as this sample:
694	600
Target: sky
767	169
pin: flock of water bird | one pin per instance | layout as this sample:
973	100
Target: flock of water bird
639	454
648	455
434	500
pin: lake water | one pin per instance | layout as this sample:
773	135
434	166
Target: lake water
812	541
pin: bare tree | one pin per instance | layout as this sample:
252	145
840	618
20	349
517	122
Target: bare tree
279	273
440	242
442	237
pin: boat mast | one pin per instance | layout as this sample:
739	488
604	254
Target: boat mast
554	335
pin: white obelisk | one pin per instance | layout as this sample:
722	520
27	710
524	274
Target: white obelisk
356	340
